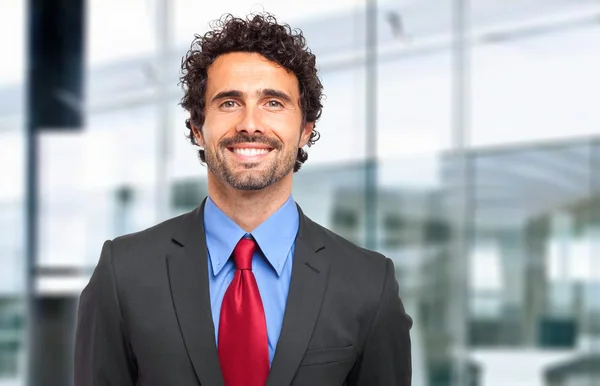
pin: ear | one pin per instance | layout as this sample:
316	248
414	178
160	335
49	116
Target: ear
198	136
306	132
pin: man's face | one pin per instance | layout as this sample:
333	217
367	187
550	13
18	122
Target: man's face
253	121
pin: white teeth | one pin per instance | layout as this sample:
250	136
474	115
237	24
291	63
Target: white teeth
250	152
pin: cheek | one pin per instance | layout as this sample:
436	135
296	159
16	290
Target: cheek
213	131
210	140
285	128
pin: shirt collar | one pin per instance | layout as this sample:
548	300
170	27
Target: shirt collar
275	236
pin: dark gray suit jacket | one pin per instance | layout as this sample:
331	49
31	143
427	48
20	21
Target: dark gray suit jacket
145	316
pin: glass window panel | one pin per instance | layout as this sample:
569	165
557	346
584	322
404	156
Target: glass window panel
11	339
534	72
97	184
543	254
12	170
12	41
333	196
342	125
533	81
120	30
414	228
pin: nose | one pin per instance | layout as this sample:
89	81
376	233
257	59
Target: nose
250	121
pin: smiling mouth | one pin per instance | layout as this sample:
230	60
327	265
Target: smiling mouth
250	154
250	151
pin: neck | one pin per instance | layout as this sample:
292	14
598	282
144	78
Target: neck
249	208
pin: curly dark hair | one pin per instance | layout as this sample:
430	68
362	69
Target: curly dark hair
258	33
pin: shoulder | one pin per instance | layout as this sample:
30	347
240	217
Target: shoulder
337	243
363	265
359	279
149	243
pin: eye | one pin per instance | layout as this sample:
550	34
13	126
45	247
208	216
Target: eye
228	104
274	104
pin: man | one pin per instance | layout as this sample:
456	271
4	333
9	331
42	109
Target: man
245	290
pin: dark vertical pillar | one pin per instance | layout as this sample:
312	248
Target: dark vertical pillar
55	58
56	39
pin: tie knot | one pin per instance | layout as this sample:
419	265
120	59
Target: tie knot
242	254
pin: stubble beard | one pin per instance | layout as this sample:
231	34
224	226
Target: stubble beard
254	177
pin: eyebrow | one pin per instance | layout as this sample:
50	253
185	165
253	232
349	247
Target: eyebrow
267	92
226	94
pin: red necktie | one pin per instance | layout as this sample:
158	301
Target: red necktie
243	341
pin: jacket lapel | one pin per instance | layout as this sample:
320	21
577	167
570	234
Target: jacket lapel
310	271
188	277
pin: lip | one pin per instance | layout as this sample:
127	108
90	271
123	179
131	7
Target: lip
250	146
246	158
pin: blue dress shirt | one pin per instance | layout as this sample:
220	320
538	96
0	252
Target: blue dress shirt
271	264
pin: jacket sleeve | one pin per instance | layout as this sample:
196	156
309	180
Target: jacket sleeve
103	356
386	358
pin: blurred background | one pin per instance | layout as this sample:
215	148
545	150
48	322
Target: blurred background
461	139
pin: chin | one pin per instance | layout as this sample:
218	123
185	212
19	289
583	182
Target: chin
250	188
248	184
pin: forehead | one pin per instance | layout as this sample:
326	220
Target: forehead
249	72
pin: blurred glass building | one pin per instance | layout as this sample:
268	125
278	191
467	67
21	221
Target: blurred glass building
461	139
